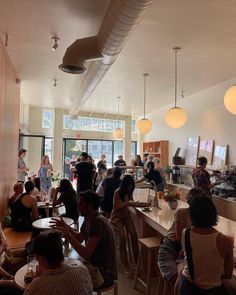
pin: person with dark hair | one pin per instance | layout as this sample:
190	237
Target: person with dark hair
201	177
98	235
152	175
138	161
170	247
84	171
109	185
120	162
122	221
22	168
208	253
102	161
68	198
54	277
24	209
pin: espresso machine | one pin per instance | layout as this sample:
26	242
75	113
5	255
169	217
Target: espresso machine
176	174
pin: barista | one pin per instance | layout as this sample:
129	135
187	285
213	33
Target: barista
201	177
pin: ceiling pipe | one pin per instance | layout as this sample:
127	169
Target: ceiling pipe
120	20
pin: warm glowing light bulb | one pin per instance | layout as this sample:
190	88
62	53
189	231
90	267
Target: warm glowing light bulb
118	133
176	117
144	126
230	99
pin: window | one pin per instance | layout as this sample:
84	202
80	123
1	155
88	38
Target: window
47	119
91	124
118	149
133	126
133	149
49	148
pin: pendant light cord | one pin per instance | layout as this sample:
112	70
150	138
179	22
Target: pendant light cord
144	94
176	49
118	114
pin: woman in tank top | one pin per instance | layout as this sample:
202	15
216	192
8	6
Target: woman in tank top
208	253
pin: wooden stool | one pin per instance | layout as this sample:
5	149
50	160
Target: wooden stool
114	286
151	244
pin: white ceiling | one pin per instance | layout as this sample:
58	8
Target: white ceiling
204	29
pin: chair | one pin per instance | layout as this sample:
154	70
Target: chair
114	286
152	245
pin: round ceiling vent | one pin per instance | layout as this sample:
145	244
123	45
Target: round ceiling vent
72	69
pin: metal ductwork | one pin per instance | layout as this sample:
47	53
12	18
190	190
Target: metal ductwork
81	50
121	18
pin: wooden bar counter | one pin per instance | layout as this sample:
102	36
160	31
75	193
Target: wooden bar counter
158	221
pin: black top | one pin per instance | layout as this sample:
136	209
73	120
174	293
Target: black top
84	172
109	184
104	255
21	219
156	177
120	163
71	206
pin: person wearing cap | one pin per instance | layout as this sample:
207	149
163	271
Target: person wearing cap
84	171
22	169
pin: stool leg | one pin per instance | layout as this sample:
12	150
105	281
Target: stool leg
138	266
116	289
149	271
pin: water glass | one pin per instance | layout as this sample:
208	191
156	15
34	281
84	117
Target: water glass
32	264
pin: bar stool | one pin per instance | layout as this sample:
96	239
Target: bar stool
114	286
151	244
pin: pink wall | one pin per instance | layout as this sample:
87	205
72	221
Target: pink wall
9	127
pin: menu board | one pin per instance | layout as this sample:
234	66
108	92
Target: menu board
192	150
220	156
206	150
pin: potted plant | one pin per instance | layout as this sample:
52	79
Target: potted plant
168	171
55	178
171	197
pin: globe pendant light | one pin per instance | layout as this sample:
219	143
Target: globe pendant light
118	132
230	99
144	125
176	116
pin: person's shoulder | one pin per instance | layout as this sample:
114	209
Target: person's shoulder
182	213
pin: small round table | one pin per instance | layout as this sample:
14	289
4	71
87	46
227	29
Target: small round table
20	274
48	207
45	223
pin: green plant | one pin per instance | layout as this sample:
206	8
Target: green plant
56	178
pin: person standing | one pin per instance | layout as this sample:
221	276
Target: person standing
102	161
201	177
45	174
22	168
85	171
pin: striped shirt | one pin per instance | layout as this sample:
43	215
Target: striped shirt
61	281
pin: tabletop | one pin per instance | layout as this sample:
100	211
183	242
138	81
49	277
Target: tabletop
44	223
20	274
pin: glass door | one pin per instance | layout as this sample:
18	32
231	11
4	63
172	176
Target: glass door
72	148
35	146
98	147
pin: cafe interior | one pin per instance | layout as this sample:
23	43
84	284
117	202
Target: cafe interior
123	77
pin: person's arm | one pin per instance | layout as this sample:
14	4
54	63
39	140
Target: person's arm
3	242
56	201
225	246
34	208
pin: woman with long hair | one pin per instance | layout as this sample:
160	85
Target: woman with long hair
45	174
122	221
68	198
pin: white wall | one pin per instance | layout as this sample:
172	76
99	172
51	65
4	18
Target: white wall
207	118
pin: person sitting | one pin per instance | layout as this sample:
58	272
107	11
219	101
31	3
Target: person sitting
98	235
122	221
53	276
24	209
170	247
68	198
153	175
120	161
109	185
208	253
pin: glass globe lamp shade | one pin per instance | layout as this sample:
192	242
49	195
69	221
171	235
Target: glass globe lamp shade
144	126
118	133
230	99
176	117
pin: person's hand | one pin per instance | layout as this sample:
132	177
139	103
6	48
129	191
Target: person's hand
59	223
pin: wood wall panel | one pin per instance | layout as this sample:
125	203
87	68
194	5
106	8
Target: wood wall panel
9	127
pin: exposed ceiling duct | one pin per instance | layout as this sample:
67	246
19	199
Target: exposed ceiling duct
121	18
77	53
